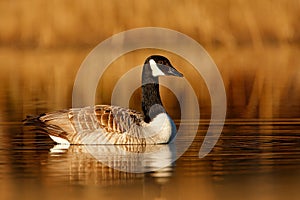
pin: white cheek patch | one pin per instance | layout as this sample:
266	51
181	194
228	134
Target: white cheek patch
155	70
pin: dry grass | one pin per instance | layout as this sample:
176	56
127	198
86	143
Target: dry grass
211	22
254	43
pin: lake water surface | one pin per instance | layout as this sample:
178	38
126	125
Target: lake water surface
252	160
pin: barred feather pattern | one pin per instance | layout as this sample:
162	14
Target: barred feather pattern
101	124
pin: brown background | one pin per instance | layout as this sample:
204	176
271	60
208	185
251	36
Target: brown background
255	45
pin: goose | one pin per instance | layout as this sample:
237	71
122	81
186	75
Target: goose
109	124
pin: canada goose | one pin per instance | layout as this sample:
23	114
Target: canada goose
106	124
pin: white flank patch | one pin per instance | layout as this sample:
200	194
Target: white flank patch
59	140
155	69
60	148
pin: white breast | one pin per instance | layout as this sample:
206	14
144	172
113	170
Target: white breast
159	130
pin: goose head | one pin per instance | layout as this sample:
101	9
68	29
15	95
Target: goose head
160	66
154	67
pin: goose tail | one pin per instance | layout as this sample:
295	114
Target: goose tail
39	125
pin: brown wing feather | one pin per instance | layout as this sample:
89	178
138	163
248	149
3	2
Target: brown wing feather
116	119
74	124
57	124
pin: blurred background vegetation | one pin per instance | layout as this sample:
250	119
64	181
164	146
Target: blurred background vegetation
255	44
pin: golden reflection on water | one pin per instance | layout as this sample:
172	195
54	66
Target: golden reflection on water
34	81
244	163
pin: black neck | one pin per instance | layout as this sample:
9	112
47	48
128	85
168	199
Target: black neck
151	102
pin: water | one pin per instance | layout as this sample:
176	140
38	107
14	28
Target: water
253	159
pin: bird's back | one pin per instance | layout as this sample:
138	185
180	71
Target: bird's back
100	124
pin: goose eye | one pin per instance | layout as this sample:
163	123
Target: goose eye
160	62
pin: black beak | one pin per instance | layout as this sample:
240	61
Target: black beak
170	71
174	72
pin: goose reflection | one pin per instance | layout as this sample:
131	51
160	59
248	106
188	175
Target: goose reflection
127	158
